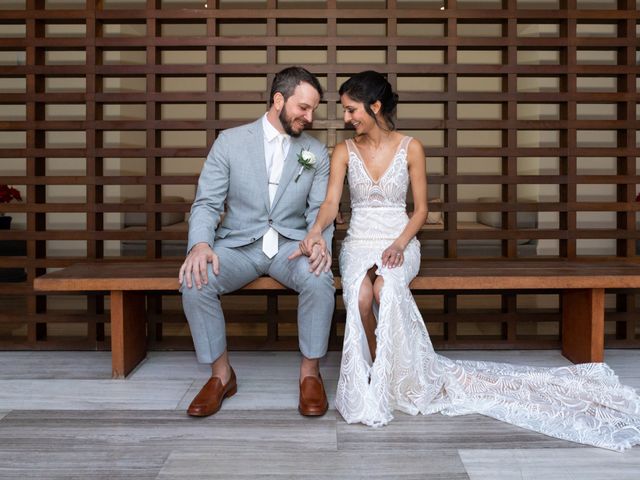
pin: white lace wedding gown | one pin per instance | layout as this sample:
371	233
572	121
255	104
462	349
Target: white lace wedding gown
581	403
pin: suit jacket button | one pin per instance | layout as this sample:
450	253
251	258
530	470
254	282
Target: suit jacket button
270	222
253	239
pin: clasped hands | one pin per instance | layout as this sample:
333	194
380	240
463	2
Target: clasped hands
315	247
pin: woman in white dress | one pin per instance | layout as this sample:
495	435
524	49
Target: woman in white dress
388	362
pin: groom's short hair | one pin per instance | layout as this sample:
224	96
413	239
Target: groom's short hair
288	79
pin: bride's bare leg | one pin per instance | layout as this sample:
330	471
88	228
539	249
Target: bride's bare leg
365	305
377	288
378	282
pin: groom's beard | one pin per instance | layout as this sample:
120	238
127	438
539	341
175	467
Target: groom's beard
287	123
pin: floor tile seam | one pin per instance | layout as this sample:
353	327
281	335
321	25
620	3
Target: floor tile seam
186	392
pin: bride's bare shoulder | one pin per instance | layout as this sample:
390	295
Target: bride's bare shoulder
340	152
415	146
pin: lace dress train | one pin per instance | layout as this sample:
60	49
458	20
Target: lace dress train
582	403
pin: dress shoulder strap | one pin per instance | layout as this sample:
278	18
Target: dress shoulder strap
404	143
350	146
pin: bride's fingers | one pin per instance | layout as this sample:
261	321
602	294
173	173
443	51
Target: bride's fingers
395	259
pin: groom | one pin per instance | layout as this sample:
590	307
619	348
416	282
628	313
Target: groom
273	178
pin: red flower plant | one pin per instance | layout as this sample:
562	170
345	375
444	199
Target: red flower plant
8	193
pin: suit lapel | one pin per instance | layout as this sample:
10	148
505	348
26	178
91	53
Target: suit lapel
288	169
255	150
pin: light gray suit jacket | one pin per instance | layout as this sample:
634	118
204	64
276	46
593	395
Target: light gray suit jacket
235	172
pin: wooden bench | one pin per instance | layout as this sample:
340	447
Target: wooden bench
581	284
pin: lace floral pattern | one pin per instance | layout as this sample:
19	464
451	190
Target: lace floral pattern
581	403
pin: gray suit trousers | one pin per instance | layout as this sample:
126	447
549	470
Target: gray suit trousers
241	265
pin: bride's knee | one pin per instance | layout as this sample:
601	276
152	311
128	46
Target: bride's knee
377	288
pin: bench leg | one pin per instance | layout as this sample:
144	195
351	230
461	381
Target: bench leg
583	325
128	332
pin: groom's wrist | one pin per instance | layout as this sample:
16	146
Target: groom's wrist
199	245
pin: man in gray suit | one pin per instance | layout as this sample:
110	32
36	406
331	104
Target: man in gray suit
273	178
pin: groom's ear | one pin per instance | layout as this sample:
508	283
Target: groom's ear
278	101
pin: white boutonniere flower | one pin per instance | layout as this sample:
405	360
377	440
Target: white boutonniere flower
307	161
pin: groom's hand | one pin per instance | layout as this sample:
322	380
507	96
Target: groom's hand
305	247
320	259
195	265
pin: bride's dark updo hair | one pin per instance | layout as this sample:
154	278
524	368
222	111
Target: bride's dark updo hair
369	87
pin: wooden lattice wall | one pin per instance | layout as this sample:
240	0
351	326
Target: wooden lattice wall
528	111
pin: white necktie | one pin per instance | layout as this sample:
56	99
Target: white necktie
270	239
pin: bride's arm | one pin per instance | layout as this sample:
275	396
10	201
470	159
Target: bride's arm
329	208
418	176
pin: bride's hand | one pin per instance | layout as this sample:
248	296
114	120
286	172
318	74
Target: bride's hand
393	256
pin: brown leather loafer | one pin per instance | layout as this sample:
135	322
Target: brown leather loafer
313	399
210	397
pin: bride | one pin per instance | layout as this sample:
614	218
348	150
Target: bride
388	362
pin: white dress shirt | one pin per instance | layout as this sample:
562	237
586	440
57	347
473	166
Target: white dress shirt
273	140
270	134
